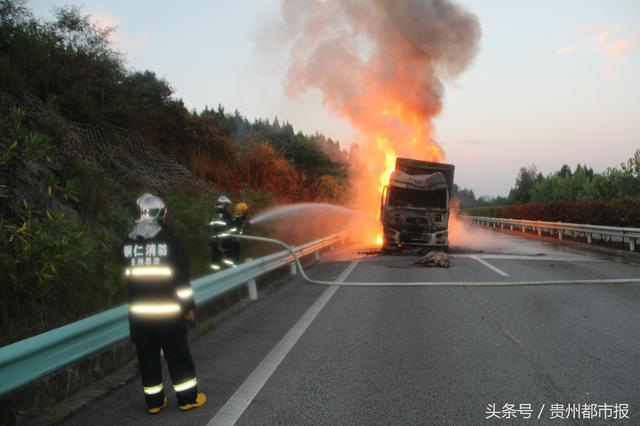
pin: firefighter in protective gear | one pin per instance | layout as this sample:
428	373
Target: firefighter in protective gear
156	271
240	210
238	225
221	225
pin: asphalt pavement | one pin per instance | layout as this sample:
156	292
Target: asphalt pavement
317	354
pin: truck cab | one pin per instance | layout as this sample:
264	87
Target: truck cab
414	208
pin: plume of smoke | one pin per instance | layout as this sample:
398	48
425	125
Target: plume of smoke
470	237
380	64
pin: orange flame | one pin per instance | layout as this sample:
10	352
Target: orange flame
407	136
382	144
382	73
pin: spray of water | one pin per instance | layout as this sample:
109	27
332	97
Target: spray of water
463	235
290	209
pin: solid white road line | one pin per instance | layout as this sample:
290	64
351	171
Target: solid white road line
240	400
490	266
482	283
534	258
344	274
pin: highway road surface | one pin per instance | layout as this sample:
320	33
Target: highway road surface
421	354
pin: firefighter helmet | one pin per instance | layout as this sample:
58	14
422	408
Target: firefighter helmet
240	209
223	202
151	207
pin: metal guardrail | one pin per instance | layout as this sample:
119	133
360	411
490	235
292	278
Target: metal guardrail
27	360
631	235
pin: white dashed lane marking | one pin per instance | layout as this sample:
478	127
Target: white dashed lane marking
490	266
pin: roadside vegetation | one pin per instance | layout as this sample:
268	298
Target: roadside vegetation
622	212
578	196
82	136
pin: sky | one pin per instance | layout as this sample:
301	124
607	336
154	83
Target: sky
554	82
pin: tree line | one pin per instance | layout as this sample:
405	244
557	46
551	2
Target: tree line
71	66
564	186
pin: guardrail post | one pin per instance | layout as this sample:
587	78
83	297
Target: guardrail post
524	228
253	290
632	244
540	231
292	265
589	238
251	285
511	228
317	255
559	234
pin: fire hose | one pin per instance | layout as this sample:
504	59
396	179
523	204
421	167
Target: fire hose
290	249
287	247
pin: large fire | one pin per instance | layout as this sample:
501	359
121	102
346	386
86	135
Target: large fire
411	138
379	64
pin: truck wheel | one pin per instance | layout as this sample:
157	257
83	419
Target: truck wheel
388	247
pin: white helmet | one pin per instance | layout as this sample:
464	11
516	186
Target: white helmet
151	207
224	202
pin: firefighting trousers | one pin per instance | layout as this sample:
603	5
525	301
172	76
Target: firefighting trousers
221	253
217	254
232	246
171	337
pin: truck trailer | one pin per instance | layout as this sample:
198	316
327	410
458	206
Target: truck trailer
414	207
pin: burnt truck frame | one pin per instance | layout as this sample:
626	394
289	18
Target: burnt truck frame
414	207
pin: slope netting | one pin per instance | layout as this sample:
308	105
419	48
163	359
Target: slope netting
116	153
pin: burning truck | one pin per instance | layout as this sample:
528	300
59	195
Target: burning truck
414	208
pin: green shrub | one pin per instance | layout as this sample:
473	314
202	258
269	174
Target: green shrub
55	270
189	212
622	212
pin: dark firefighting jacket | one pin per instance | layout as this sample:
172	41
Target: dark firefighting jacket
240	223
220	223
156	272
